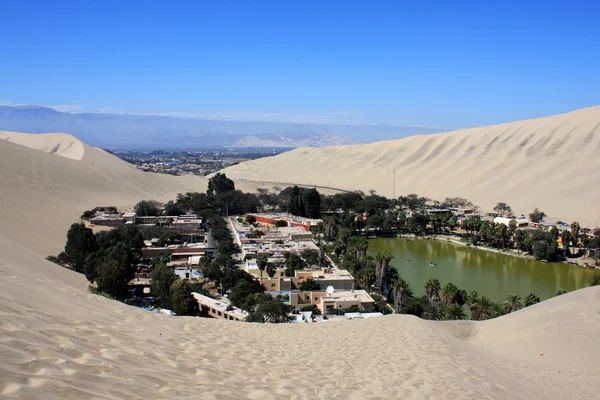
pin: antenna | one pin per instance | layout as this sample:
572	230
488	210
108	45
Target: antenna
329	290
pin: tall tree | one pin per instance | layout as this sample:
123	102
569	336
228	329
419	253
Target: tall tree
81	242
454	312
503	208
219	184
261	263
481	309
537	216
449	293
402	293
311	201
182	301
147	208
575	228
432	290
162	279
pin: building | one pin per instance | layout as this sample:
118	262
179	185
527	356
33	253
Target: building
270	220
219	309
337	278
521	222
339	300
111	220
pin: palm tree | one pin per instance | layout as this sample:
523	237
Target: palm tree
575	228
432	290
434	312
261	263
368	278
512	303
383	261
391	276
402	292
454	312
497	309
472	298
449	293
531	299
482	309
271	270
566	240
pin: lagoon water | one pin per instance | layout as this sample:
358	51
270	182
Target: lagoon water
491	274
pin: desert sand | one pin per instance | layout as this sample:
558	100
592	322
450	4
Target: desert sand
551	163
59	341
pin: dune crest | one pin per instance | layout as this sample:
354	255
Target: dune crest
60	144
550	163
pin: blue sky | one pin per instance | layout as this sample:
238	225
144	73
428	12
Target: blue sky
429	63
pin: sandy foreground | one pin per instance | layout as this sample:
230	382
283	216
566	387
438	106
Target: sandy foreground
551	163
59	341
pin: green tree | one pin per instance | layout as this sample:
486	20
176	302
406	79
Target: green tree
537	216
281	223
310	257
295	204
147	208
512	303
242	289
81	242
271	270
575	229
560	292
174	208
449	293
264	308
261	263
181	299
402	293
219	184
251	219
432	290
311	200
503	208
531	299
454	312
112	279
162	279
310	285
481	309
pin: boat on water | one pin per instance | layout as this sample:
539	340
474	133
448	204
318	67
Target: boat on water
432	264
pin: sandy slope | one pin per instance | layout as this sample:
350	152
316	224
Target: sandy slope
551	163
42	194
58	341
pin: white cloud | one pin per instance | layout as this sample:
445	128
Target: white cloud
68	108
8	103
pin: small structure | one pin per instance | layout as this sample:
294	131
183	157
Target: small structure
219	309
521	222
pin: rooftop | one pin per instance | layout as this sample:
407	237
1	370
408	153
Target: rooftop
220	306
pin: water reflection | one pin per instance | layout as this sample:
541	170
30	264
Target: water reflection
491	274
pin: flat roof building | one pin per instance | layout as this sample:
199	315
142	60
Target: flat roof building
219	309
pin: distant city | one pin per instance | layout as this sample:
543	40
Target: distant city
189	162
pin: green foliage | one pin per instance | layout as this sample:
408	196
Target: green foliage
81	242
271	270
310	257
293	262
174	208
219	184
310	285
595	281
412	201
304	202
261	263
181	300
454	312
251	219
264	308
280	223
193	201
241	290
531	299
315	310
512	303
147	208
560	292
432	290
162	279
62	259
503	208
537	215
112	279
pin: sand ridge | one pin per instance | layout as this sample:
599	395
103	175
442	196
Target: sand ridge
61	144
550	163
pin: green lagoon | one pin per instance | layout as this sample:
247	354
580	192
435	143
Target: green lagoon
491	274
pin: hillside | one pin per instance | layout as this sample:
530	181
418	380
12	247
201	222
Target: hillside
59	341
551	163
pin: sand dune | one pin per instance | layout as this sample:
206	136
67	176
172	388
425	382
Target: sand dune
42	194
59	341
551	163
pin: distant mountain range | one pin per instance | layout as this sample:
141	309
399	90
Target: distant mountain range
130	131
